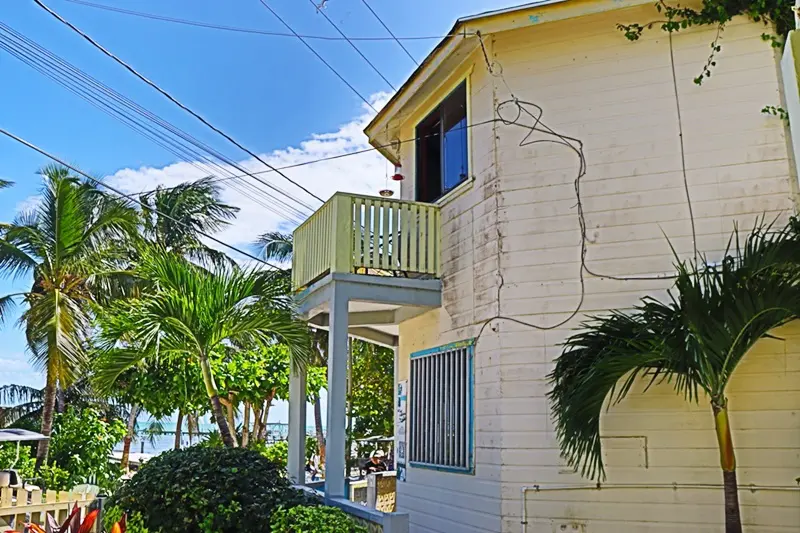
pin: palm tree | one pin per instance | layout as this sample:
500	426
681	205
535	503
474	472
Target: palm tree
191	209
277	246
194	312
175	219
715	313
72	244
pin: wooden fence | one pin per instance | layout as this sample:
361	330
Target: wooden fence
18	506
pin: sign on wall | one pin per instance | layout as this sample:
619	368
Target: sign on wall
400	433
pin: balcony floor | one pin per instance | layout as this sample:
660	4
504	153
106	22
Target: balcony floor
376	305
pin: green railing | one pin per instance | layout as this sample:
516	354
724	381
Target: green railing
367	235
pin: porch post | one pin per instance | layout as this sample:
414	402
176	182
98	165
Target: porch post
337	392
297	425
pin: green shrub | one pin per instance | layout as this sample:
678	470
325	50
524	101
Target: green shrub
112	514
26	463
315	519
81	445
211	490
53	477
278	453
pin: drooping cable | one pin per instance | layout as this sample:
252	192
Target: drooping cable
385	27
208	25
120	194
313	51
130	113
174	100
352	44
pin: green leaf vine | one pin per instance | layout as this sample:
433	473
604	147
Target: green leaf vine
776	14
777	111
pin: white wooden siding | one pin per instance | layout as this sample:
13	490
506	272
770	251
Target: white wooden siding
517	223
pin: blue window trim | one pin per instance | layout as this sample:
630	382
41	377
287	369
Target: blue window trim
469	344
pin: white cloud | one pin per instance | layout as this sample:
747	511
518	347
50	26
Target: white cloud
28	204
17	370
361	173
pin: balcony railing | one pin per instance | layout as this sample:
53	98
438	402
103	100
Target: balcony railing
367	235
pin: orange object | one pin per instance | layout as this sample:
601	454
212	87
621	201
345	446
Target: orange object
88	522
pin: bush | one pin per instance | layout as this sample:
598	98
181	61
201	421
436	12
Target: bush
26	463
318	519
112	514
212	490
81	445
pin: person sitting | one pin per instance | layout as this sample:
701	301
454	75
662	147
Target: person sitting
375	463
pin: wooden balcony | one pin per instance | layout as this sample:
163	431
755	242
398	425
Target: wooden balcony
356	234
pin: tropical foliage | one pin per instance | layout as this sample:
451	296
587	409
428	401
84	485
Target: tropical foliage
193	312
81	445
314	519
693	342
219	490
72	244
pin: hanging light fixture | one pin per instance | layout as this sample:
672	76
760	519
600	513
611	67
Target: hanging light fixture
398	175
386	193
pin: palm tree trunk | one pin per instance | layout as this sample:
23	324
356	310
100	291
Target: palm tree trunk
733	519
265	414
47	421
245	425
318	426
231	413
126	442
257	420
178	429
216	405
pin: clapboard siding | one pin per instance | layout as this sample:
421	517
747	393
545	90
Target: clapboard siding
511	247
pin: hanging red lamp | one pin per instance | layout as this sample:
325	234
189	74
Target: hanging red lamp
398	176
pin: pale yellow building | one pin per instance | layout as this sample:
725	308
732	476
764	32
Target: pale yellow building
485	251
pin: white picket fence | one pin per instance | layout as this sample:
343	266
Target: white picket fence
18	506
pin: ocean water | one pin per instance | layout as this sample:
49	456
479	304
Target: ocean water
155	444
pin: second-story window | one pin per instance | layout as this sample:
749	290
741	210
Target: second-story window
442	158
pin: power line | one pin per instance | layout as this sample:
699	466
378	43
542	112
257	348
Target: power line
121	108
302	40
141	204
352	44
254	31
390	32
174	100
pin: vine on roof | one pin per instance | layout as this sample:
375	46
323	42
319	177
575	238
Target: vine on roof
775	14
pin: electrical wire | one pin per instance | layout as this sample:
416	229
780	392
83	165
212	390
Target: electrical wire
313	51
175	100
253	31
120	194
576	145
352	44
127	111
397	40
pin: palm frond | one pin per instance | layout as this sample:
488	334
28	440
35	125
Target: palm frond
274	245
715	314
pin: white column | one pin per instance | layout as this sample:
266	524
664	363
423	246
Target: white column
337	393
297	426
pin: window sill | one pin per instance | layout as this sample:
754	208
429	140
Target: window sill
454	193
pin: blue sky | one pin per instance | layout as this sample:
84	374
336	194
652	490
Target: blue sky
270	93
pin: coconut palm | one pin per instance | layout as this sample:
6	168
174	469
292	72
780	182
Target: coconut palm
177	217
277	246
694	341
71	243
194	312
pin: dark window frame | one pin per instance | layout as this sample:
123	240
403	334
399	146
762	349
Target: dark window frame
434	175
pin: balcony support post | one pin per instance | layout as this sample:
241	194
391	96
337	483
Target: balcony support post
297	425
335	469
